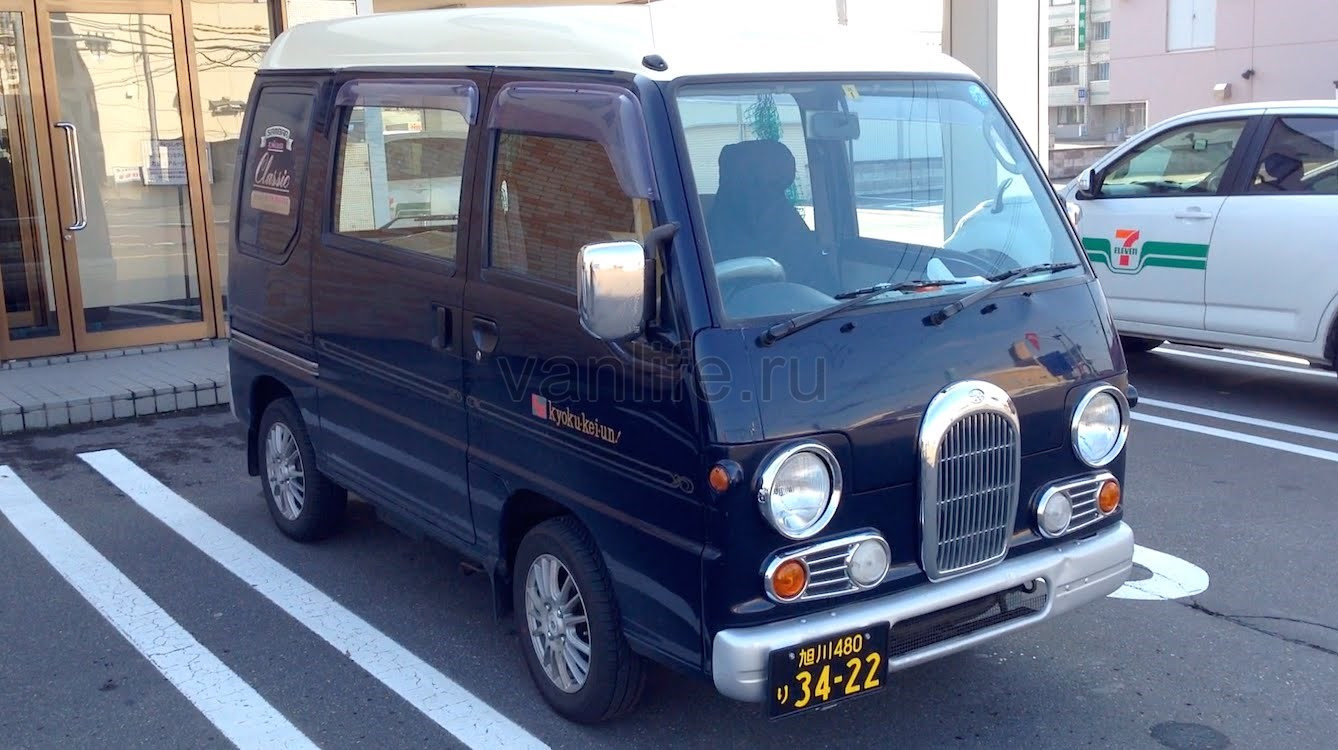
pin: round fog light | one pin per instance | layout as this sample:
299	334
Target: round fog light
1054	513
868	562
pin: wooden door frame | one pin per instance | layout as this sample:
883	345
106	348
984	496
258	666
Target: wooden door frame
44	187
204	269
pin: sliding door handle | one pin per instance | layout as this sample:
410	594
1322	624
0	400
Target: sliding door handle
441	327
76	176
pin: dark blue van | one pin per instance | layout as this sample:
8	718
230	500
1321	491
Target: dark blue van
775	362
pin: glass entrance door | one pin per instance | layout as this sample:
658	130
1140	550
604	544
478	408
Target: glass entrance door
127	172
34	319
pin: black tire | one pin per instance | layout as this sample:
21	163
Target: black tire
616	677
1136	345
324	502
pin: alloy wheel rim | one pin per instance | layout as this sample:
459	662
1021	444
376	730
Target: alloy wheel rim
558	626
283	464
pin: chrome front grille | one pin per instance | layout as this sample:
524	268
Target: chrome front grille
970	461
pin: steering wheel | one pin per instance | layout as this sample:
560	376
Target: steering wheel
740	273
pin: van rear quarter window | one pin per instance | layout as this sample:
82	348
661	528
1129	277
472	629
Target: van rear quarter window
276	163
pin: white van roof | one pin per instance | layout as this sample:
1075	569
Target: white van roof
694	37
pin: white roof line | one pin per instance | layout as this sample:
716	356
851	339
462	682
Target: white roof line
689	34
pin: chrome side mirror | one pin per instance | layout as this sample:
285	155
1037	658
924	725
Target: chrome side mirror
613	290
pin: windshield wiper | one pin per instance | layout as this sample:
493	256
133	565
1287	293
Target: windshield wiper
785	328
999	282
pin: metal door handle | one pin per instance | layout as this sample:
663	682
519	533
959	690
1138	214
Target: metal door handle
76	176
485	336
1193	214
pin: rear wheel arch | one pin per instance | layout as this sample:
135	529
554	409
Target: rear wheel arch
264	391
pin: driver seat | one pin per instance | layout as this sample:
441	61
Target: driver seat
751	215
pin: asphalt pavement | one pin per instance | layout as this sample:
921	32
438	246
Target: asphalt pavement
149	601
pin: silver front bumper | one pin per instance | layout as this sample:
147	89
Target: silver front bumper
1075	573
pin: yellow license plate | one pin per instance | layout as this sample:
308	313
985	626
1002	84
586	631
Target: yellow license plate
822	672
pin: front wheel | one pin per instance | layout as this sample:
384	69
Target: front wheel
570	630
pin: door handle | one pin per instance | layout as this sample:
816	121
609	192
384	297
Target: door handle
485	336
76	176
441	322
1193	213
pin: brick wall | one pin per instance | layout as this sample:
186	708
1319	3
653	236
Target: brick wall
560	194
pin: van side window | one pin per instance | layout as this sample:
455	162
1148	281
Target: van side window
1300	156
276	165
398	177
550	196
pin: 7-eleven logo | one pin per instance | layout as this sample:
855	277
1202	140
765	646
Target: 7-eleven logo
1126	254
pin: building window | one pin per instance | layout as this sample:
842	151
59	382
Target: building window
1062	36
397	181
1101	31
1098	71
1068	115
552	195
1191	24
1065	76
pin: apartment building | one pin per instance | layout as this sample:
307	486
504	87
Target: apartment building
1082	108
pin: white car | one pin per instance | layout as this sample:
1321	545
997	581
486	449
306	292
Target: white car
1219	227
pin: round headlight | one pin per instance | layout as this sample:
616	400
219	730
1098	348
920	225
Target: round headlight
1100	426
800	489
868	562
1054	513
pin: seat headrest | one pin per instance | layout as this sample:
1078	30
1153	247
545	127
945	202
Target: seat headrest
767	164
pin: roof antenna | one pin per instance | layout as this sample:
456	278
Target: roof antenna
653	61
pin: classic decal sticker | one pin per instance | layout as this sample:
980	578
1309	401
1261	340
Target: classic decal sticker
272	181
571	420
1126	255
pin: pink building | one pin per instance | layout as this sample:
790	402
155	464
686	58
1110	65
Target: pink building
1179	55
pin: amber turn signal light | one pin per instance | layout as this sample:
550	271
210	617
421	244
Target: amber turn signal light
1108	499
789	579
719	478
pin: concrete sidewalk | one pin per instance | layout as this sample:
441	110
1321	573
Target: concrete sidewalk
52	392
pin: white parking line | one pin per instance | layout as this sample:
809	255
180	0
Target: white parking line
225	699
1229	417
455	709
1248	363
1240	437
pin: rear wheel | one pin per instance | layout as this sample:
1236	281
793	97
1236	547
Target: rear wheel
1137	345
304	503
570	630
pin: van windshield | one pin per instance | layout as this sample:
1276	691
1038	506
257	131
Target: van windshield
814	189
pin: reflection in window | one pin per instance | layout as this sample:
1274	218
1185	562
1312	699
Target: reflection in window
398	180
551	196
1187	160
115	77
231	36
1300	156
30	299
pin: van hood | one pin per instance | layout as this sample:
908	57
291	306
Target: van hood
869	373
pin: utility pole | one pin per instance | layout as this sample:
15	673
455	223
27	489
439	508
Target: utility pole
841	16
